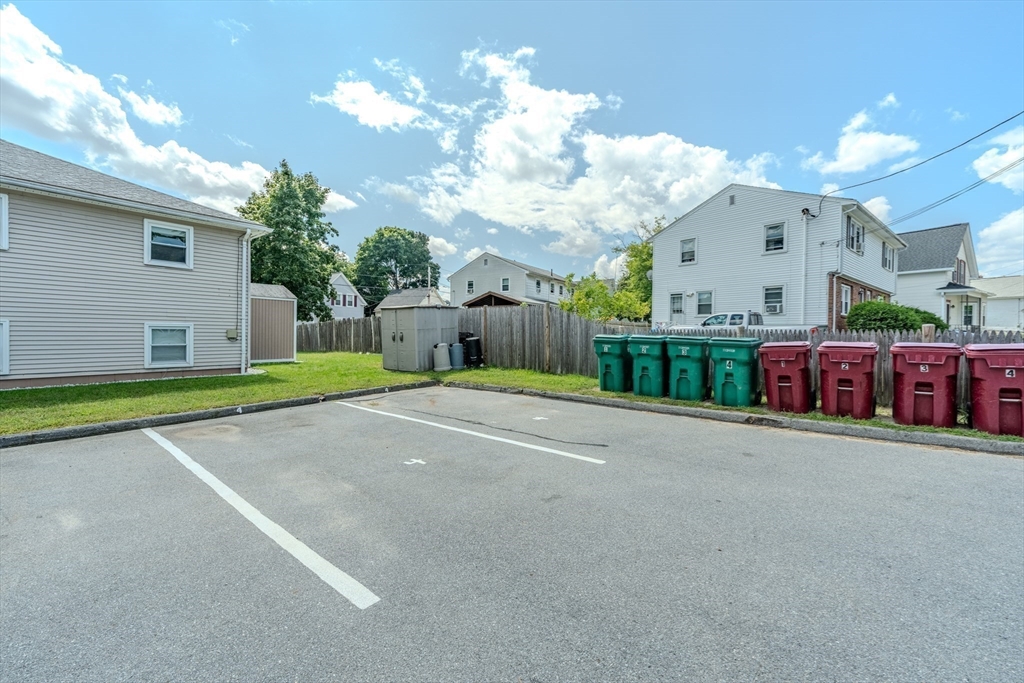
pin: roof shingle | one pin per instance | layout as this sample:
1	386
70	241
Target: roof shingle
933	248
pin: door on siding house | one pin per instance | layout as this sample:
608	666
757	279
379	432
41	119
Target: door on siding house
389	341
677	308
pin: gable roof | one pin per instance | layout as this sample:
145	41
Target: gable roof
27	169
1005	287
933	248
261	291
339	278
418	296
531	270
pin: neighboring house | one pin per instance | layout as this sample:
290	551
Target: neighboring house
102	279
346	302
935	274
1005	309
489	273
411	297
774	252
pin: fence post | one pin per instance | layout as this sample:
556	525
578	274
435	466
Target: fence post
483	339
928	333
547	337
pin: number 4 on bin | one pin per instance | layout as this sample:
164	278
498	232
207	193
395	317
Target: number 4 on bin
1011	372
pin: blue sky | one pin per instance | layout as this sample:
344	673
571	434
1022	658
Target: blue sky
540	131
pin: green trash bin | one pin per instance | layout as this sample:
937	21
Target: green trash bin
648	352
614	364
737	370
687	368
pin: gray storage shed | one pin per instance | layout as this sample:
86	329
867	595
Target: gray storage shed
272	323
408	335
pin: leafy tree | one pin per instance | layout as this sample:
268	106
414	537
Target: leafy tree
638	262
592	299
881	315
393	258
296	254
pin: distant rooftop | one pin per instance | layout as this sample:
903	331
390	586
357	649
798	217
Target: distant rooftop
932	248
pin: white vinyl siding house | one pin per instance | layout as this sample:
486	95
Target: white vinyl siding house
491	273
346	302
126	315
750	248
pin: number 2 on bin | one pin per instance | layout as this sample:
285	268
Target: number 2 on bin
844	366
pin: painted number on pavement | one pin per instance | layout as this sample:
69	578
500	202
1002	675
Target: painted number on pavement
1010	372
844	366
924	368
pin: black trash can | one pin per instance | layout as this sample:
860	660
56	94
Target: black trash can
473	352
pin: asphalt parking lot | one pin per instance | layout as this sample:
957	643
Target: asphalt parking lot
446	534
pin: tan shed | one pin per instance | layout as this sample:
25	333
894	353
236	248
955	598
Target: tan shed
272	323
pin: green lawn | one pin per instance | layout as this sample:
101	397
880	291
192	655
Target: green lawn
28	410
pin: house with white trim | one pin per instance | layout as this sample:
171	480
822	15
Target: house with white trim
798	259
346	301
1005	307
937	273
104	280
509	280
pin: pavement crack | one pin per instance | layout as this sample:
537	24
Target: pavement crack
507	429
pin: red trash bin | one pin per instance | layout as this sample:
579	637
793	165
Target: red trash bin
997	387
924	383
787	376
848	378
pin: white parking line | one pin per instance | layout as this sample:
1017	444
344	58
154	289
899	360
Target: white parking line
358	594
471	433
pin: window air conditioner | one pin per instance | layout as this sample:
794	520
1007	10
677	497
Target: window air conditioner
773	308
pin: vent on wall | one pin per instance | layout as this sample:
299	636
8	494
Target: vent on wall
732	199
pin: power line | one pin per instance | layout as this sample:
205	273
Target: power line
920	163
929	207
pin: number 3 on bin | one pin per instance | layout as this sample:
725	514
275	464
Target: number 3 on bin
924	368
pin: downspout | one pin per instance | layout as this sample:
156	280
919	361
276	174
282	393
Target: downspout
244	293
803	274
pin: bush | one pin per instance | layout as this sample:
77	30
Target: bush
880	315
929	318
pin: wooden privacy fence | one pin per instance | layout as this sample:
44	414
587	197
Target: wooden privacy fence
547	339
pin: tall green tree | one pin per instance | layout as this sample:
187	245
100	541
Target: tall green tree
393	258
297	253
591	298
639	261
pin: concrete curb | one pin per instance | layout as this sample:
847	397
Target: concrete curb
965	443
11	440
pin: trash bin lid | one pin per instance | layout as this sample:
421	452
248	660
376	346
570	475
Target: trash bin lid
979	350
864	347
648	338
786	345
680	339
902	348
611	337
746	342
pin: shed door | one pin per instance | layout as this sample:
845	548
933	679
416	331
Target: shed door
389	338
406	323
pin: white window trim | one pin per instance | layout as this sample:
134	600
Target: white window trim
5	222
190	346
506	284
695	247
764	305
845	299
886	249
785	238
190	240
846	236
697	297
537	285
5	347
469	286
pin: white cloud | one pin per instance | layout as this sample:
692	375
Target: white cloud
606	267
238	141
440	247
1001	245
800	149
956	116
336	202
880	207
235	29
492	231
1009	148
829	188
859	149
906	163
402	193
613	102
151	110
536	168
889	101
476	251
50	98
372	108
120	77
